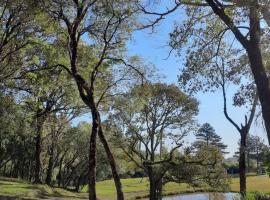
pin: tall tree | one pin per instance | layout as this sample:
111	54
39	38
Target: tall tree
146	118
44	92
245	26
219	65
106	25
252	45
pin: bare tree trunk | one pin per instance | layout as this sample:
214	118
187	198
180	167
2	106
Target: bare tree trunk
242	163
116	178
92	157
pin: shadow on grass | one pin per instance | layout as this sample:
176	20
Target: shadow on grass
6	183
42	193
13	180
14	198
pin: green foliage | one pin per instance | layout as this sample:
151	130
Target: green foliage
257	196
266	161
162	108
201	169
17	28
206	135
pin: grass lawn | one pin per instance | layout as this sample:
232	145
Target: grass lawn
105	189
136	187
17	188
254	183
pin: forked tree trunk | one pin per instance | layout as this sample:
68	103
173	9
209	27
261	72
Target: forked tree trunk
256	63
116	178
242	163
253	50
262	83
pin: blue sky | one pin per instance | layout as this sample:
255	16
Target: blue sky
153	48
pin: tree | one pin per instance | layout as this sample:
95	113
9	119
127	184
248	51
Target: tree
44	92
217	66
58	126
256	149
107	26
207	135
73	156
204	167
266	158
17	28
245	26
15	137
252	46
144	119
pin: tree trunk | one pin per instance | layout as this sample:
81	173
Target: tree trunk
257	161
116	178
248	162
78	184
50	168
60	172
242	163
262	83
23	160
29	169
92	156
155	192
153	189
257	66
253	50
39	124
51	160
38	159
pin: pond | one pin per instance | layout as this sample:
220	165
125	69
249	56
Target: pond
204	196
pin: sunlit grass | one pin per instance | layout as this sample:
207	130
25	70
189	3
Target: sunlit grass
254	183
133	188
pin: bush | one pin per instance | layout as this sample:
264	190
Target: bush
256	196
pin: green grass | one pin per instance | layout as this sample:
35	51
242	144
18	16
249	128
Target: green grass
254	184
19	188
136	187
133	188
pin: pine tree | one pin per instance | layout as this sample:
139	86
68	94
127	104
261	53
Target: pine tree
206	135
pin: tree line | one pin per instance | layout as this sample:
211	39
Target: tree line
62	59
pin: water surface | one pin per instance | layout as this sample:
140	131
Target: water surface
204	196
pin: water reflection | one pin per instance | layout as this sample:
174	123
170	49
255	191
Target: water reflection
204	196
